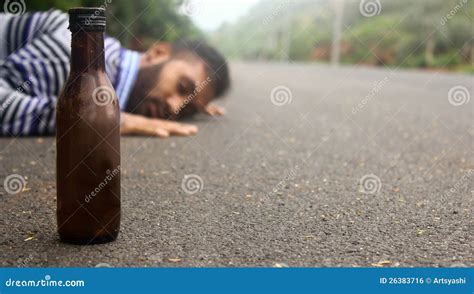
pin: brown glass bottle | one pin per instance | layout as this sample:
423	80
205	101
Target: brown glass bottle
88	139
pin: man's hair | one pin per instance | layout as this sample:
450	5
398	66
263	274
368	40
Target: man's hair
216	65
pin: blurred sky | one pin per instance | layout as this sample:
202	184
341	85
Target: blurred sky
208	15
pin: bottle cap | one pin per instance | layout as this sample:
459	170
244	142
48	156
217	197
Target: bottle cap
87	19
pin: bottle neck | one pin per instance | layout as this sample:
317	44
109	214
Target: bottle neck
87	52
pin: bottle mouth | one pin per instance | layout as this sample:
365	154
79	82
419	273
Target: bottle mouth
87	19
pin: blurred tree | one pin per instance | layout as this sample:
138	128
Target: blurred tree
403	33
424	23
48	4
138	23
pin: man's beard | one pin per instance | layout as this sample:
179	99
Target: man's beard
139	99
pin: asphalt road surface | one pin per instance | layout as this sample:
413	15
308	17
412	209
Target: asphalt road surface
343	167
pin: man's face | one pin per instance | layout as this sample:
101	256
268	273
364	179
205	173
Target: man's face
182	87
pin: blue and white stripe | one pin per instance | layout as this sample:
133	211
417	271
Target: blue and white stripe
34	64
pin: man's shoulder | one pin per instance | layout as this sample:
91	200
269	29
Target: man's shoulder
50	12
52	16
25	14
39	19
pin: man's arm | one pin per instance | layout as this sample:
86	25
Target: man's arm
33	67
213	110
132	124
25	115
40	63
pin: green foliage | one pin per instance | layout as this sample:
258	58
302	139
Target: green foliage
48	4
421	33
136	23
450	59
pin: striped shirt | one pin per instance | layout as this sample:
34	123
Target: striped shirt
34	64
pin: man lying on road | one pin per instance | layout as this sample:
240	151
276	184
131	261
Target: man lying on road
154	88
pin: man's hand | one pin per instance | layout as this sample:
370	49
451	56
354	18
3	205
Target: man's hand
213	110
132	124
